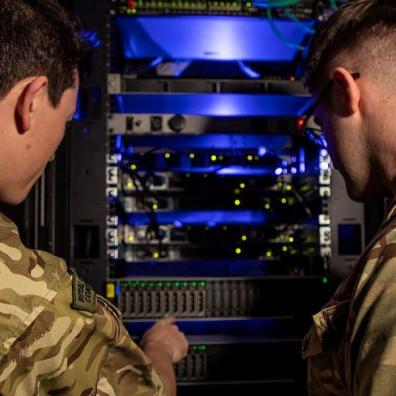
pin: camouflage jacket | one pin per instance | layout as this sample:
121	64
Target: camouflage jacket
57	337
351	347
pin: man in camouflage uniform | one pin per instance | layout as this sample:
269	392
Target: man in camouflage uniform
57	337
351	347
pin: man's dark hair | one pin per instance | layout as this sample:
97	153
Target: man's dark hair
364	28
37	37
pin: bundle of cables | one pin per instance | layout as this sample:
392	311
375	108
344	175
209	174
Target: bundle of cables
269	5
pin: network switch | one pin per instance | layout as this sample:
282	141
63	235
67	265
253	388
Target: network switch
218	297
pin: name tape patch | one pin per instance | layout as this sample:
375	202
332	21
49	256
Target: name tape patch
84	298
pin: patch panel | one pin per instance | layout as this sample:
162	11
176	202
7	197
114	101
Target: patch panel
230	297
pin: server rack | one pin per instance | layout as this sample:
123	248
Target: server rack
192	193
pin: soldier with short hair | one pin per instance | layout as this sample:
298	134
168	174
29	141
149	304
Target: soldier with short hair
351	347
57	337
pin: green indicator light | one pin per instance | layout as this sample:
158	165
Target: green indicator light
194	284
202	284
325	280
151	284
169	284
185	284
143	284
177	284
194	347
160	284
202	348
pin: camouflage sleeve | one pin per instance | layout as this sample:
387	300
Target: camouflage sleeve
76	352
373	339
127	371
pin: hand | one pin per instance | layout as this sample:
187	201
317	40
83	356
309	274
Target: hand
165	337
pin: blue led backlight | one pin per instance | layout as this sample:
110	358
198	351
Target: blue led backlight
202	217
209	38
225	105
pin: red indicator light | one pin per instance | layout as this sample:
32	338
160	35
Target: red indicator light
292	78
300	123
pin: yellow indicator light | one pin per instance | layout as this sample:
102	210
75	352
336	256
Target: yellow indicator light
284	249
284	200
167	155
237	202
269	253
133	11
192	156
130	185
238	250
267	206
242	185
156	255
250	157
291	239
131	238
280	184
133	167
213	158
110	290
248	5
155	206
289	187
244	238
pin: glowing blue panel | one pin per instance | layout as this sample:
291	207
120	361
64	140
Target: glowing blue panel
212	141
226	170
214	105
264	327
209	38
205	218
197	268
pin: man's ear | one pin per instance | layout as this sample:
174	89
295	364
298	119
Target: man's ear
27	102
346	93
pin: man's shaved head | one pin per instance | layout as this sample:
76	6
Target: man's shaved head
361	35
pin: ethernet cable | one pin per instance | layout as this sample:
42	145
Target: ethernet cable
280	35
